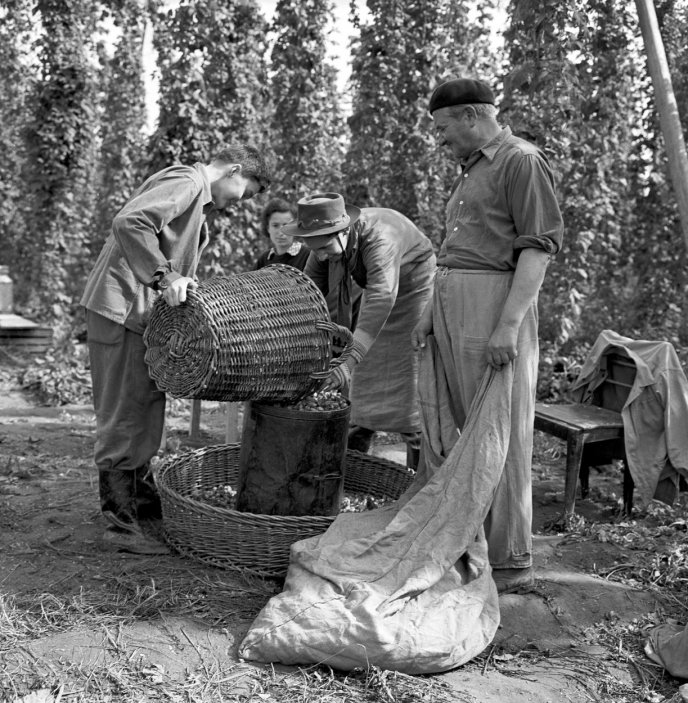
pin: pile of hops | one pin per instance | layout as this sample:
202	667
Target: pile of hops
360	502
225	497
322	401
218	496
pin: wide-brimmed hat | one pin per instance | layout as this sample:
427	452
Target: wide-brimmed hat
321	213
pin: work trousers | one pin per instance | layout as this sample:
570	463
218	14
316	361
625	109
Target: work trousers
130	410
466	308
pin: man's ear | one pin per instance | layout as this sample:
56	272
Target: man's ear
471	114
231	170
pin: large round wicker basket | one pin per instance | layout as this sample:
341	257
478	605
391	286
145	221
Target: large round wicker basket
247	542
260	335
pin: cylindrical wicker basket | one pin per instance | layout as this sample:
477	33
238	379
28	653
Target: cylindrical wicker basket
260	335
257	544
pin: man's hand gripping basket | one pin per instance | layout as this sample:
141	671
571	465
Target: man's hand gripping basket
261	335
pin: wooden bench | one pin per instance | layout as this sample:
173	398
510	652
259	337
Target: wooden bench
593	430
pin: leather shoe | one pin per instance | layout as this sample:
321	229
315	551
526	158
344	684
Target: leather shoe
118	497
513	580
133	541
360	438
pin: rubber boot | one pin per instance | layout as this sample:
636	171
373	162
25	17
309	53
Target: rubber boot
147	497
118	499
118	505
360	438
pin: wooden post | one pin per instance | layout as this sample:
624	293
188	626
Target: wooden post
666	107
195	428
232	424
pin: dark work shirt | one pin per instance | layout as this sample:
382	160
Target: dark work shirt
384	249
503	202
297	260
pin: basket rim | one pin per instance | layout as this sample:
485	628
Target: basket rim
159	473
266	540
292	412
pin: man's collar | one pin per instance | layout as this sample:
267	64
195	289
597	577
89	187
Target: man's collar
492	147
208	203
489	150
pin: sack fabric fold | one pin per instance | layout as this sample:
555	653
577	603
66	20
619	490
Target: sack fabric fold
406	587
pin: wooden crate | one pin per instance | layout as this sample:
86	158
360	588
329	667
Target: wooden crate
18	335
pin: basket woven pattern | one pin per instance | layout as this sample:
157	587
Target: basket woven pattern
248	542
251	336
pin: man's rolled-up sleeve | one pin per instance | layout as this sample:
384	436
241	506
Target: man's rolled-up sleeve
535	210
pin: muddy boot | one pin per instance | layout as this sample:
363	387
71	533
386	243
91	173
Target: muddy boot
360	438
118	498
147	499
514	580
118	505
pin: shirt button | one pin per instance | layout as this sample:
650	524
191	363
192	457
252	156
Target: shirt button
456	229
465	175
460	202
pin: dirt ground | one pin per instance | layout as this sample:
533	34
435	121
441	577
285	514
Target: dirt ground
82	622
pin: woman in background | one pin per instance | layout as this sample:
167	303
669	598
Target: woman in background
284	250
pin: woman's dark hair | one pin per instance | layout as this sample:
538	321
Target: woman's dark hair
276	205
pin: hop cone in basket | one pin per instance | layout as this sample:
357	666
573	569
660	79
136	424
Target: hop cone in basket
251	336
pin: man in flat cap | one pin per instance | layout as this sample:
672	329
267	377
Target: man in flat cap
503	224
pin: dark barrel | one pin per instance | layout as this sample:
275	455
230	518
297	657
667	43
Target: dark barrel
292	461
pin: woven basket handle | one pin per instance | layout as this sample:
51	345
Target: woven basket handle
335	331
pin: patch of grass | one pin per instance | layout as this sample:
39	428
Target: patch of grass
129	678
125	679
373	685
609	664
624	644
121	674
655	545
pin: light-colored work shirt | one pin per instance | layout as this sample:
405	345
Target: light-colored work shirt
502	202
161	230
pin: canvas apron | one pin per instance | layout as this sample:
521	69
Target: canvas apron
384	385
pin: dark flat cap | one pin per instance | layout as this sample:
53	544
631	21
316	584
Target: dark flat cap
460	91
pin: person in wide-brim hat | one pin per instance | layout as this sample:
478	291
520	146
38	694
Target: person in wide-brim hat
382	253
321	214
